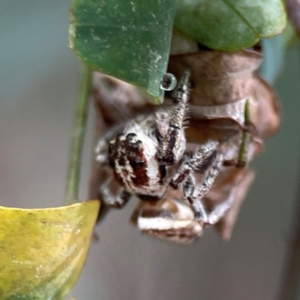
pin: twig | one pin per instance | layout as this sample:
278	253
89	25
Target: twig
72	186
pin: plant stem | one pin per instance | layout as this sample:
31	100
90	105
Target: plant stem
72	186
243	152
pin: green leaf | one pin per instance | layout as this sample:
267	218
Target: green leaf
129	40
43	250
230	24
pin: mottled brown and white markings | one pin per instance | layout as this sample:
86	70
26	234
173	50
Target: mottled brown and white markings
133	157
169	220
141	156
172	220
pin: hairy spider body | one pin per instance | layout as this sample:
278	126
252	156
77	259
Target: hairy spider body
187	175
141	156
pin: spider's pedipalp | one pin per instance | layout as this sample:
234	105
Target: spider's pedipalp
112	194
173	143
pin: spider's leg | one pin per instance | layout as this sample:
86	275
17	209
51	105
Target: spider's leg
247	131
219	211
195	195
101	152
197	206
172	144
112	194
192	163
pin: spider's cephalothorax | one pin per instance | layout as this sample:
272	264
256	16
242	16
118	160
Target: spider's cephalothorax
149	156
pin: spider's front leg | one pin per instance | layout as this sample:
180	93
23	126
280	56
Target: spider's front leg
112	194
192	163
172	142
193	191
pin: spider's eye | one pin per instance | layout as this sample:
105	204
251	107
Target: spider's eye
131	137
139	144
137	162
141	163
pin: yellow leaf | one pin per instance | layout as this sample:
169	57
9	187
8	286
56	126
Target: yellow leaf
42	251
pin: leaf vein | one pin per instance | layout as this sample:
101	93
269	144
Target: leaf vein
241	17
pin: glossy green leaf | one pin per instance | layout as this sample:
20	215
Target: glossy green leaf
230	24
43	250
129	40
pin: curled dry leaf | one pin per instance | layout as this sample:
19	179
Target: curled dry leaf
223	81
43	250
230	103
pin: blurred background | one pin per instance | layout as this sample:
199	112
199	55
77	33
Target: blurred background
38	82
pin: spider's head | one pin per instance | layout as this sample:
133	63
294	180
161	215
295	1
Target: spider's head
128	159
133	157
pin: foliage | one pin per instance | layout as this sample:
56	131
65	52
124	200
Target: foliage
43	250
229	25
130	40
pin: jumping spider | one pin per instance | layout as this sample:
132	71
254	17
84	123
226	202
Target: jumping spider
186	177
148	156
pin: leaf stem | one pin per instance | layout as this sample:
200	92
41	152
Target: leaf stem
243	152
81	111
